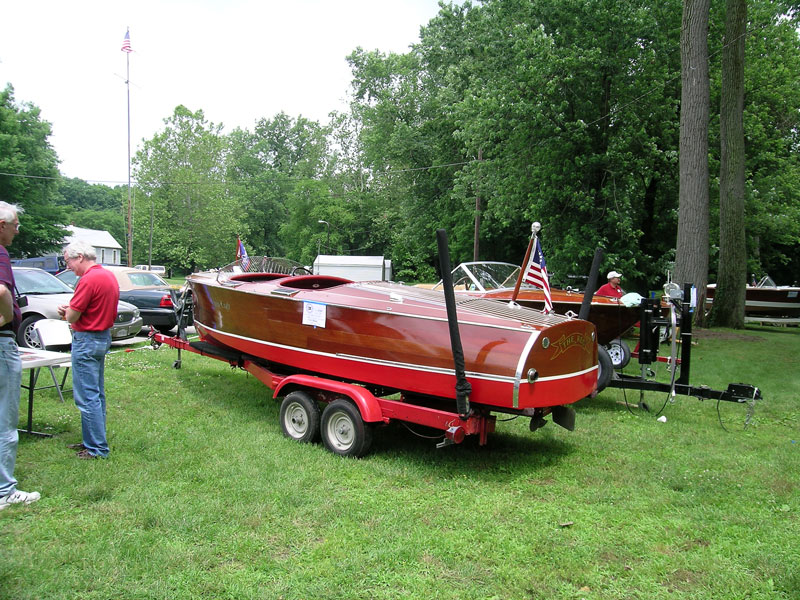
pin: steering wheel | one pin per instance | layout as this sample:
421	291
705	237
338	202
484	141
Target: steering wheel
301	271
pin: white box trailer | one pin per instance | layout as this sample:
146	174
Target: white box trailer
357	268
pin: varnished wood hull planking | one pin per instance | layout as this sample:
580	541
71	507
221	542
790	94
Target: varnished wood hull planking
397	337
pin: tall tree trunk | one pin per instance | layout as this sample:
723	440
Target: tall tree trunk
728	310
691	256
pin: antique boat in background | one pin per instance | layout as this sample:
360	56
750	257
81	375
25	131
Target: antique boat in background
495	281
765	299
392	337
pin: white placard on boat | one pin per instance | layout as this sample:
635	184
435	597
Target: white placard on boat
314	314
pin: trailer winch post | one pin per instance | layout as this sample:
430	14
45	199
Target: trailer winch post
591	285
463	387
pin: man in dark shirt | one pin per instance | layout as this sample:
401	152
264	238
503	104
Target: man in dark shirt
10	365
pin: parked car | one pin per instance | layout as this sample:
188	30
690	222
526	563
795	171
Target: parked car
44	294
52	263
154	297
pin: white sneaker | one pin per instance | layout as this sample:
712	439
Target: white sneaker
19	497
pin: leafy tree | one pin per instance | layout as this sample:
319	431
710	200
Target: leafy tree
267	166
533	88
29	168
180	175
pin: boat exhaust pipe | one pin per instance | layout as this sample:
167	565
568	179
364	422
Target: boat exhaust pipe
591	285
463	387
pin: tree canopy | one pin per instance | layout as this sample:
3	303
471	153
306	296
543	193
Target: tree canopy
561	111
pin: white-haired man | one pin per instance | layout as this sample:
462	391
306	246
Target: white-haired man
91	311
10	365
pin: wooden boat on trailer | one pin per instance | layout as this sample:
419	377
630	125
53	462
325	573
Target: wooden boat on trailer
766	301
375	352
495	280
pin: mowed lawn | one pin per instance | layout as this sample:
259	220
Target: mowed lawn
203	497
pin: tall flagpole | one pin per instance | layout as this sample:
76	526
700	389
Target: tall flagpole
126	47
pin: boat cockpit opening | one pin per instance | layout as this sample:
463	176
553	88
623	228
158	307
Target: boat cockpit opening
314	282
252	277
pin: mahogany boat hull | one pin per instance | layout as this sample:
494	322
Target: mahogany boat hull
397	337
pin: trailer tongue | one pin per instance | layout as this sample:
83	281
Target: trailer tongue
678	317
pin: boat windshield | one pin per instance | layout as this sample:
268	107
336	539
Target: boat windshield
766	282
486	276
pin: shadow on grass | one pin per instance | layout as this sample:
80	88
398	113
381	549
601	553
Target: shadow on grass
505	453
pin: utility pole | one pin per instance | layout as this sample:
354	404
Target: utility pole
126	48
477	216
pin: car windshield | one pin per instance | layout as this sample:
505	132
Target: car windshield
38	282
145	279
68	277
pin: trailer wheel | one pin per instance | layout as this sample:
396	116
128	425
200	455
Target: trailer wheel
605	369
344	431
300	417
619	352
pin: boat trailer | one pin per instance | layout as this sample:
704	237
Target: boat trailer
353	409
678	318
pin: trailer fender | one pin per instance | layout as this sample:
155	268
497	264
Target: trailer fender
368	405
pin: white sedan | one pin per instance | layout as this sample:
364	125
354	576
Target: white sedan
43	294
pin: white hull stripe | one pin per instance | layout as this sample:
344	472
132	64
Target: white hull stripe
523	358
399	365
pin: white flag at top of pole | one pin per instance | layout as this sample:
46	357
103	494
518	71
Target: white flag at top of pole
536	273
126	42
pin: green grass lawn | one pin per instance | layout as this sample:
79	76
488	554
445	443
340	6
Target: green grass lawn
203	497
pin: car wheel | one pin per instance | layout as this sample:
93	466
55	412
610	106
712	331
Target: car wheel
26	338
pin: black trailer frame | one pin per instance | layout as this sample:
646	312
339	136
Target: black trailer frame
679	317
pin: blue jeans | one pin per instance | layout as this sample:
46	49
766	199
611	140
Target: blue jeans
10	381
89	350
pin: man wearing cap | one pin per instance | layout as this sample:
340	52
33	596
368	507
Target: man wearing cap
612	289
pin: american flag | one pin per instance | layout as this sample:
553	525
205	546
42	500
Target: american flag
126	42
241	254
536	273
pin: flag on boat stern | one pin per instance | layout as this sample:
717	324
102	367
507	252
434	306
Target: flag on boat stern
536	273
126	42
241	254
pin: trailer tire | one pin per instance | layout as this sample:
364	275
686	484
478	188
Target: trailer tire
300	417
604	370
619	352
344	431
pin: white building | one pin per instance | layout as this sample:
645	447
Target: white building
109	252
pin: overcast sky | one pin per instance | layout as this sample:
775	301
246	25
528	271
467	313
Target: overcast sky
237	60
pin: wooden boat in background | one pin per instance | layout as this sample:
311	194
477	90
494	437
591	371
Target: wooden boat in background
766	299
392	337
495	281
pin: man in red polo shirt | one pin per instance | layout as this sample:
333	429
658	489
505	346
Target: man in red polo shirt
612	289
91	312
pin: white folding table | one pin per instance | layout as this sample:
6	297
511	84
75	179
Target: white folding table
32	360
